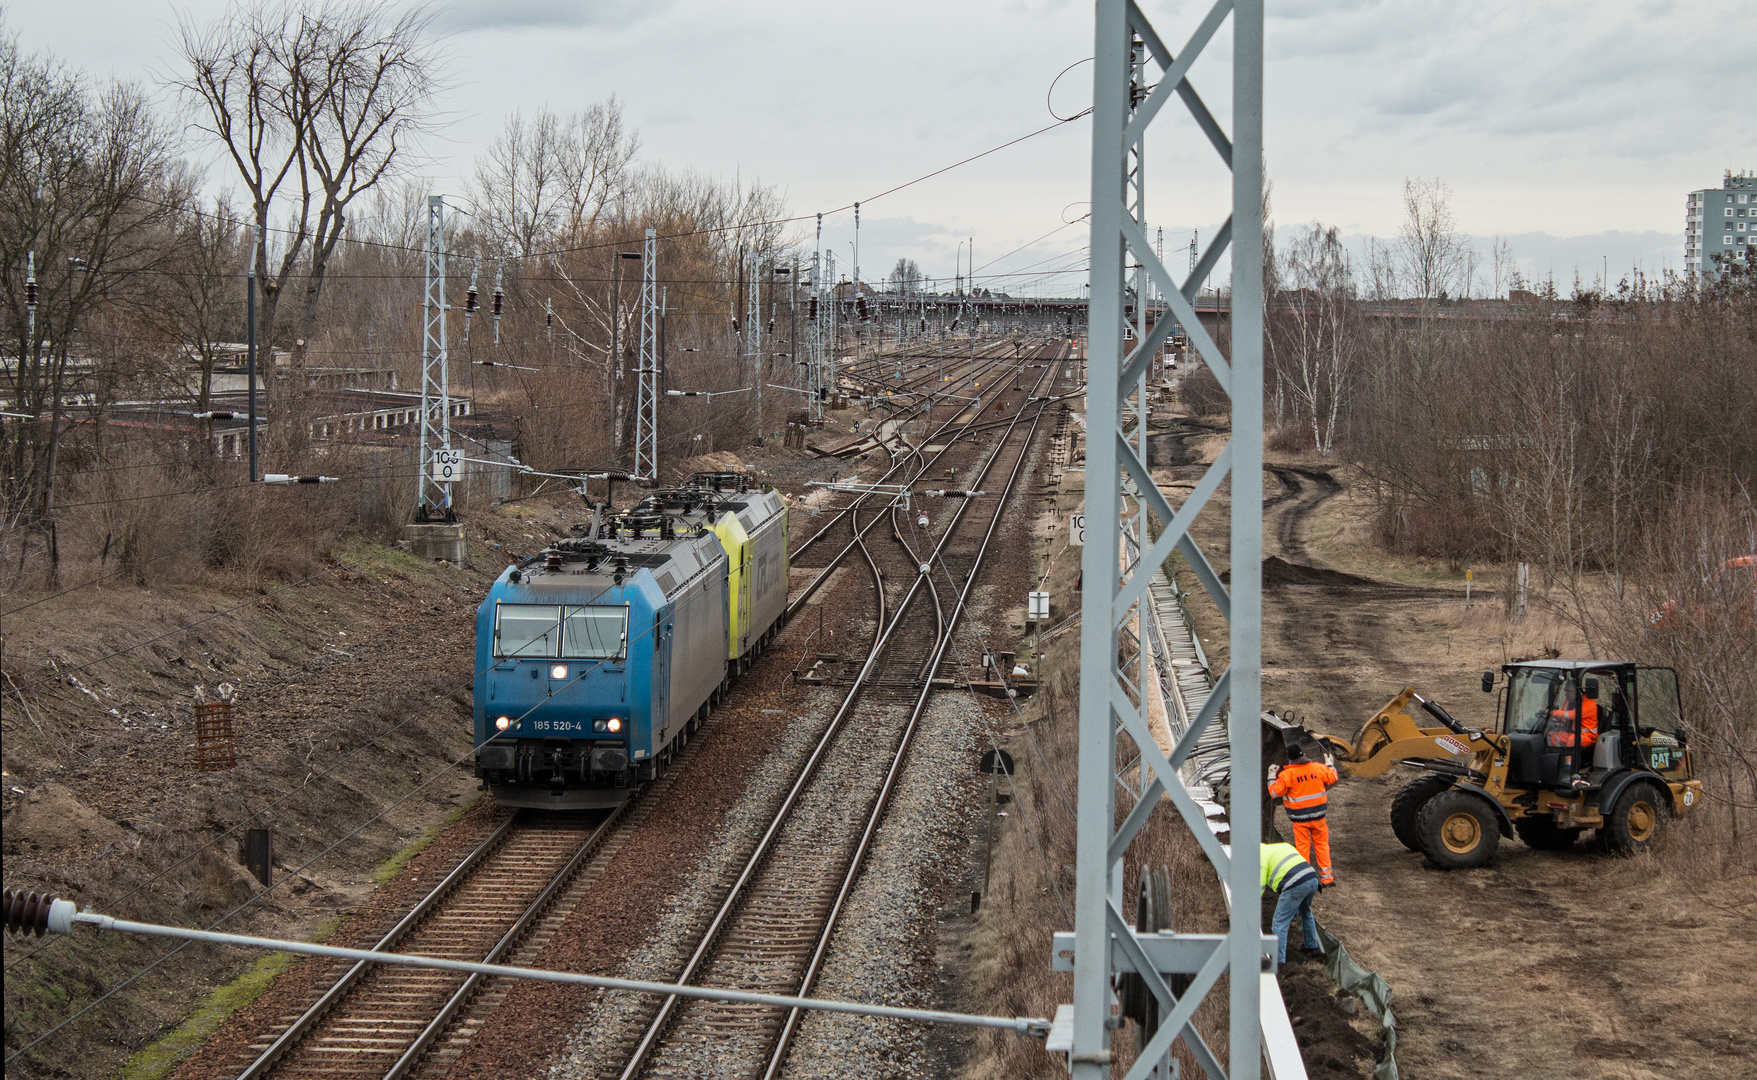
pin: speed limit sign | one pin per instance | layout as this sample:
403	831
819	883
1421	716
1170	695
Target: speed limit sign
447	465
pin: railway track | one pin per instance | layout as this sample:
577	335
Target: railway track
510	895
772	929
501	904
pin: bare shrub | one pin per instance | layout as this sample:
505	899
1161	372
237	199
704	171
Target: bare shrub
1202	393
1694	608
1610	442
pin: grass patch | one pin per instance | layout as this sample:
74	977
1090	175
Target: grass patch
394	865
388	561
159	1058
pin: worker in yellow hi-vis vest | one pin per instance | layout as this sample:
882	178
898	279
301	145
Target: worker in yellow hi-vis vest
1288	875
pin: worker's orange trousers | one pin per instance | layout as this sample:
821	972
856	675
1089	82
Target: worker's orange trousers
1312	838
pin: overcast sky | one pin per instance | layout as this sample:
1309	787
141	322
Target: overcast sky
1574	129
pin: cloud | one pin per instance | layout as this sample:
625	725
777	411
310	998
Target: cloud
515	15
1615	75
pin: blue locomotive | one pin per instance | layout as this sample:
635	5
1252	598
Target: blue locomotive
598	658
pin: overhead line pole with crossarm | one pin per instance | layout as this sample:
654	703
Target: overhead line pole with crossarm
433	495
1112	702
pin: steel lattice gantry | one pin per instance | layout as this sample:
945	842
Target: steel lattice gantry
646	402
431	494
1111	701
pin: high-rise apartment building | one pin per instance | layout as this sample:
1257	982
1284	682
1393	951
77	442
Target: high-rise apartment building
1719	221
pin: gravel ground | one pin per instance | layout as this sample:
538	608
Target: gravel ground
900	941
826	821
616	1019
887	950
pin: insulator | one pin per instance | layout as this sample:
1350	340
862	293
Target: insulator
813	310
470	300
924	326
30	292
27	913
735	326
549	318
771	327
498	297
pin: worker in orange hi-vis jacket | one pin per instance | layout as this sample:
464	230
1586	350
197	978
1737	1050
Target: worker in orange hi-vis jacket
1300	787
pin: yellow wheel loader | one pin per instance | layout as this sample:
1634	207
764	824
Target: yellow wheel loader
1544	774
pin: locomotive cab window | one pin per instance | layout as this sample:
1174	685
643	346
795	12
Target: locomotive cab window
594	633
526	630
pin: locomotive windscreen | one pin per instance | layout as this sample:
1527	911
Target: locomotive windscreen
593	632
526	629
546	630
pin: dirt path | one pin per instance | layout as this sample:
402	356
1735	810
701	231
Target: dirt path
1302	489
1568	964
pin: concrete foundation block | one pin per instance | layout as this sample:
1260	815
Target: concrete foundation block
436	542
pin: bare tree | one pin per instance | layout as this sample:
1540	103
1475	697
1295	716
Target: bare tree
906	276
519	189
1435	259
1320	329
599	151
1502	253
201	289
548	180
85	190
316	102
1381	271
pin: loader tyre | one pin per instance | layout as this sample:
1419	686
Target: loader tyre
1406	807
1458	830
1631	825
1545	835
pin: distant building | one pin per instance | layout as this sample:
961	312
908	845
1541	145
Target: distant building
1719	221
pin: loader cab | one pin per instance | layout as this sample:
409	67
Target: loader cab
1638	722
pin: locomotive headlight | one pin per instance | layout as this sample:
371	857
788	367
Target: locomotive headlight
559	671
501	723
616	723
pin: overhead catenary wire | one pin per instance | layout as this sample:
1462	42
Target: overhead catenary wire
408	249
382	473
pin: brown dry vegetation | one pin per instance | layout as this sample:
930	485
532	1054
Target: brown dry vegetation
1637	960
353	694
1033	887
1613	447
